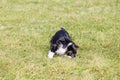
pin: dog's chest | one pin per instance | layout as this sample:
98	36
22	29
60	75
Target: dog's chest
61	50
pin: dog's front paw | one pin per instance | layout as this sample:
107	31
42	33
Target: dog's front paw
50	54
68	56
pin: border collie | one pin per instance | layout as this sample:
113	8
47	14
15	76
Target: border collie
62	44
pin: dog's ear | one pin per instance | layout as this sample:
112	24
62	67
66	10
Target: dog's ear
76	46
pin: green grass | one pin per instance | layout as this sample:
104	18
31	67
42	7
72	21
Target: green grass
26	27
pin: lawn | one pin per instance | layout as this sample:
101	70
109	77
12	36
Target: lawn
26	27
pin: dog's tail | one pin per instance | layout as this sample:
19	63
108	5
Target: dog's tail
62	28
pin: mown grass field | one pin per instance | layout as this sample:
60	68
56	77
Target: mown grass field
26	27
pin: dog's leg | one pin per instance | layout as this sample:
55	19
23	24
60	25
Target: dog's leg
50	54
52	50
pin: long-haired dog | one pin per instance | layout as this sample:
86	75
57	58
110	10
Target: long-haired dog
61	43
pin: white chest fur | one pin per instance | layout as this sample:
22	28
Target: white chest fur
61	50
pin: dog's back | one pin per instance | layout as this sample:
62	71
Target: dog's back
60	35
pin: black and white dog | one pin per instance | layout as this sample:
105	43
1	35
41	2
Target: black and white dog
61	43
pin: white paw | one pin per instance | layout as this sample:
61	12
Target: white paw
69	57
50	54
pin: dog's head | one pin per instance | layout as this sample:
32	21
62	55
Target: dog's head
72	50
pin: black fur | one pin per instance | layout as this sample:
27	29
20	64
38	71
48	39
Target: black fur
62	37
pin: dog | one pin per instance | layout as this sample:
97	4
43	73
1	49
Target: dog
62	44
